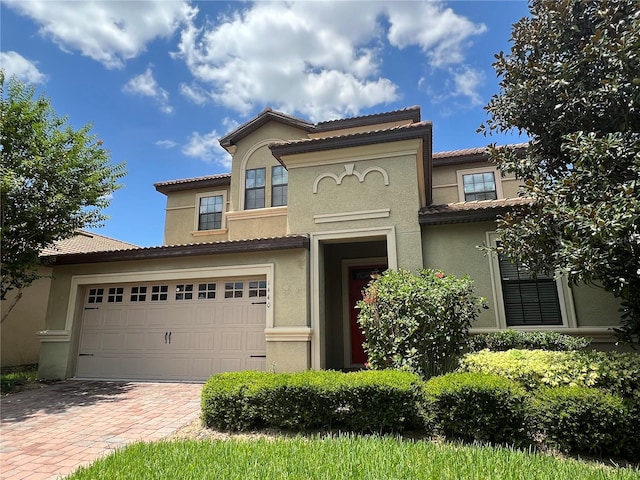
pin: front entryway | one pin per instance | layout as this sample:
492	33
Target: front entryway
180	330
359	277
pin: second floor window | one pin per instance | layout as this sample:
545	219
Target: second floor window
254	188
210	213
279	186
479	186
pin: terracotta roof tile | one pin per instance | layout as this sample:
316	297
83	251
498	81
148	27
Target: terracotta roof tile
85	242
303	141
460	212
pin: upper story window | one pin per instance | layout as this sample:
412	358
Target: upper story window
479	184
254	188
210	212
279	186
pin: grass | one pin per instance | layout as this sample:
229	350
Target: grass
14	379
338	457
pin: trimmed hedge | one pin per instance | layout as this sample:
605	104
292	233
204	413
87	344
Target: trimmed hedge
510	339
478	407
586	420
618	373
369	401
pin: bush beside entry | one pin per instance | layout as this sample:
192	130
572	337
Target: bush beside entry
418	323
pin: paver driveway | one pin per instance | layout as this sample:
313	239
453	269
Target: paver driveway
49	432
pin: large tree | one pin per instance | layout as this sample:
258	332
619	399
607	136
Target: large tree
572	84
55	180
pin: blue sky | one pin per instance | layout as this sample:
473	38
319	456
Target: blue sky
161	81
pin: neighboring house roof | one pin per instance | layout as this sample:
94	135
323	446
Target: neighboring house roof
468	155
168	251
462	212
263	118
84	242
191	183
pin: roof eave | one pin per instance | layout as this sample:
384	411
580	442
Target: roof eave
169	187
151	253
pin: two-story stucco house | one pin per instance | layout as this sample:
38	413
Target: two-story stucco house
261	267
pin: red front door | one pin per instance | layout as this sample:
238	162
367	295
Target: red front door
359	278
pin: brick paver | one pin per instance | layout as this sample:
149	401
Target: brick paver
49	432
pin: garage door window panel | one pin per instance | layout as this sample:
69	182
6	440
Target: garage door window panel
206	291
116	295
258	288
184	292
138	294
96	295
233	289
159	293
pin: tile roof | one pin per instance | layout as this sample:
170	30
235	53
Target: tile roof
195	182
466	154
408	113
319	140
191	249
85	242
461	212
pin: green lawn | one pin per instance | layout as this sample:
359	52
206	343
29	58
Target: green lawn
342	457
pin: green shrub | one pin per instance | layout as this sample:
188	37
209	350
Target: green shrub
585	420
478	407
377	401
510	339
618	373
418	323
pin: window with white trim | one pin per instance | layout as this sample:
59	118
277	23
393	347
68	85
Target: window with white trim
258	288
254	188
476	184
138	294
233	289
210	211
279	186
116	295
184	291
528	299
206	291
159	293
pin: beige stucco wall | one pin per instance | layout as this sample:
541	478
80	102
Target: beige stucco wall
290	300
446	182
180	226
19	340
355	205
452	248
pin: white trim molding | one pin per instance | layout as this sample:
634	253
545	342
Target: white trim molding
215	193
565	297
349	216
54	336
288	334
316	272
349	170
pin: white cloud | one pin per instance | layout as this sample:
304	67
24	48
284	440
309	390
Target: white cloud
207	147
194	93
467	82
166	144
107	31
322	59
441	33
25	70
145	85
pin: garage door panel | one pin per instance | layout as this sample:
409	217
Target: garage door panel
112	341
233	314
173	339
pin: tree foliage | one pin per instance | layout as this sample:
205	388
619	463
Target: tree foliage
572	83
55	180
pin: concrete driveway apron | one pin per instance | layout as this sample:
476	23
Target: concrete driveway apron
48	432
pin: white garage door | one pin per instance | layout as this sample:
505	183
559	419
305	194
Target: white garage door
182	330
